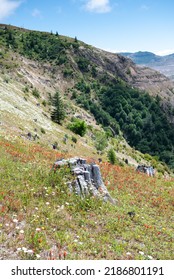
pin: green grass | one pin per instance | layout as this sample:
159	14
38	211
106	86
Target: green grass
40	218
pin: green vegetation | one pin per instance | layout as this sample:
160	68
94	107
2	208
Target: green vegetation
74	139
112	156
35	45
100	141
68	72
139	116
42	130
35	93
58	112
78	126
142	120
83	64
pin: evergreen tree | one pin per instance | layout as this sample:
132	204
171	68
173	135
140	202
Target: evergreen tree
58	112
112	156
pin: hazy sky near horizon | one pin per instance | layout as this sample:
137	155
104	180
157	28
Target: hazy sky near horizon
113	25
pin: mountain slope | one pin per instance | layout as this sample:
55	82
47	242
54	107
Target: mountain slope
36	64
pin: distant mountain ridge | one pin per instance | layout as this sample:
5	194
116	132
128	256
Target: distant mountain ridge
163	64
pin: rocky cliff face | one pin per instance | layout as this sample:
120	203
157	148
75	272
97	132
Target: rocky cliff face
140	77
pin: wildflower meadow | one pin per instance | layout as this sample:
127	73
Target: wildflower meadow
41	219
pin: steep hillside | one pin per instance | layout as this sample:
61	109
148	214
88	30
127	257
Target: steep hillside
163	64
34	65
41	219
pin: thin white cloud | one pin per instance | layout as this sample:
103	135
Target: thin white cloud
115	50
164	52
7	7
36	13
98	6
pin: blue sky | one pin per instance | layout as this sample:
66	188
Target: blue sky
113	25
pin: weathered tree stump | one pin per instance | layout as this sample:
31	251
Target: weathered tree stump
88	179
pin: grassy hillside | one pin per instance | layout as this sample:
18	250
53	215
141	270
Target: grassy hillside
40	219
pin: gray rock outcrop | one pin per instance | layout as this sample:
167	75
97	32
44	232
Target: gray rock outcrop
88	179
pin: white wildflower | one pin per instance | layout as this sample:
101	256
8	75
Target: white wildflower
37	256
36	208
30	251
24	249
141	253
19	249
150	257
38	229
15	221
47	203
128	254
21	231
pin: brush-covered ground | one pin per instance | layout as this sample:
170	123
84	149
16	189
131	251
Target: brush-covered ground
41	219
